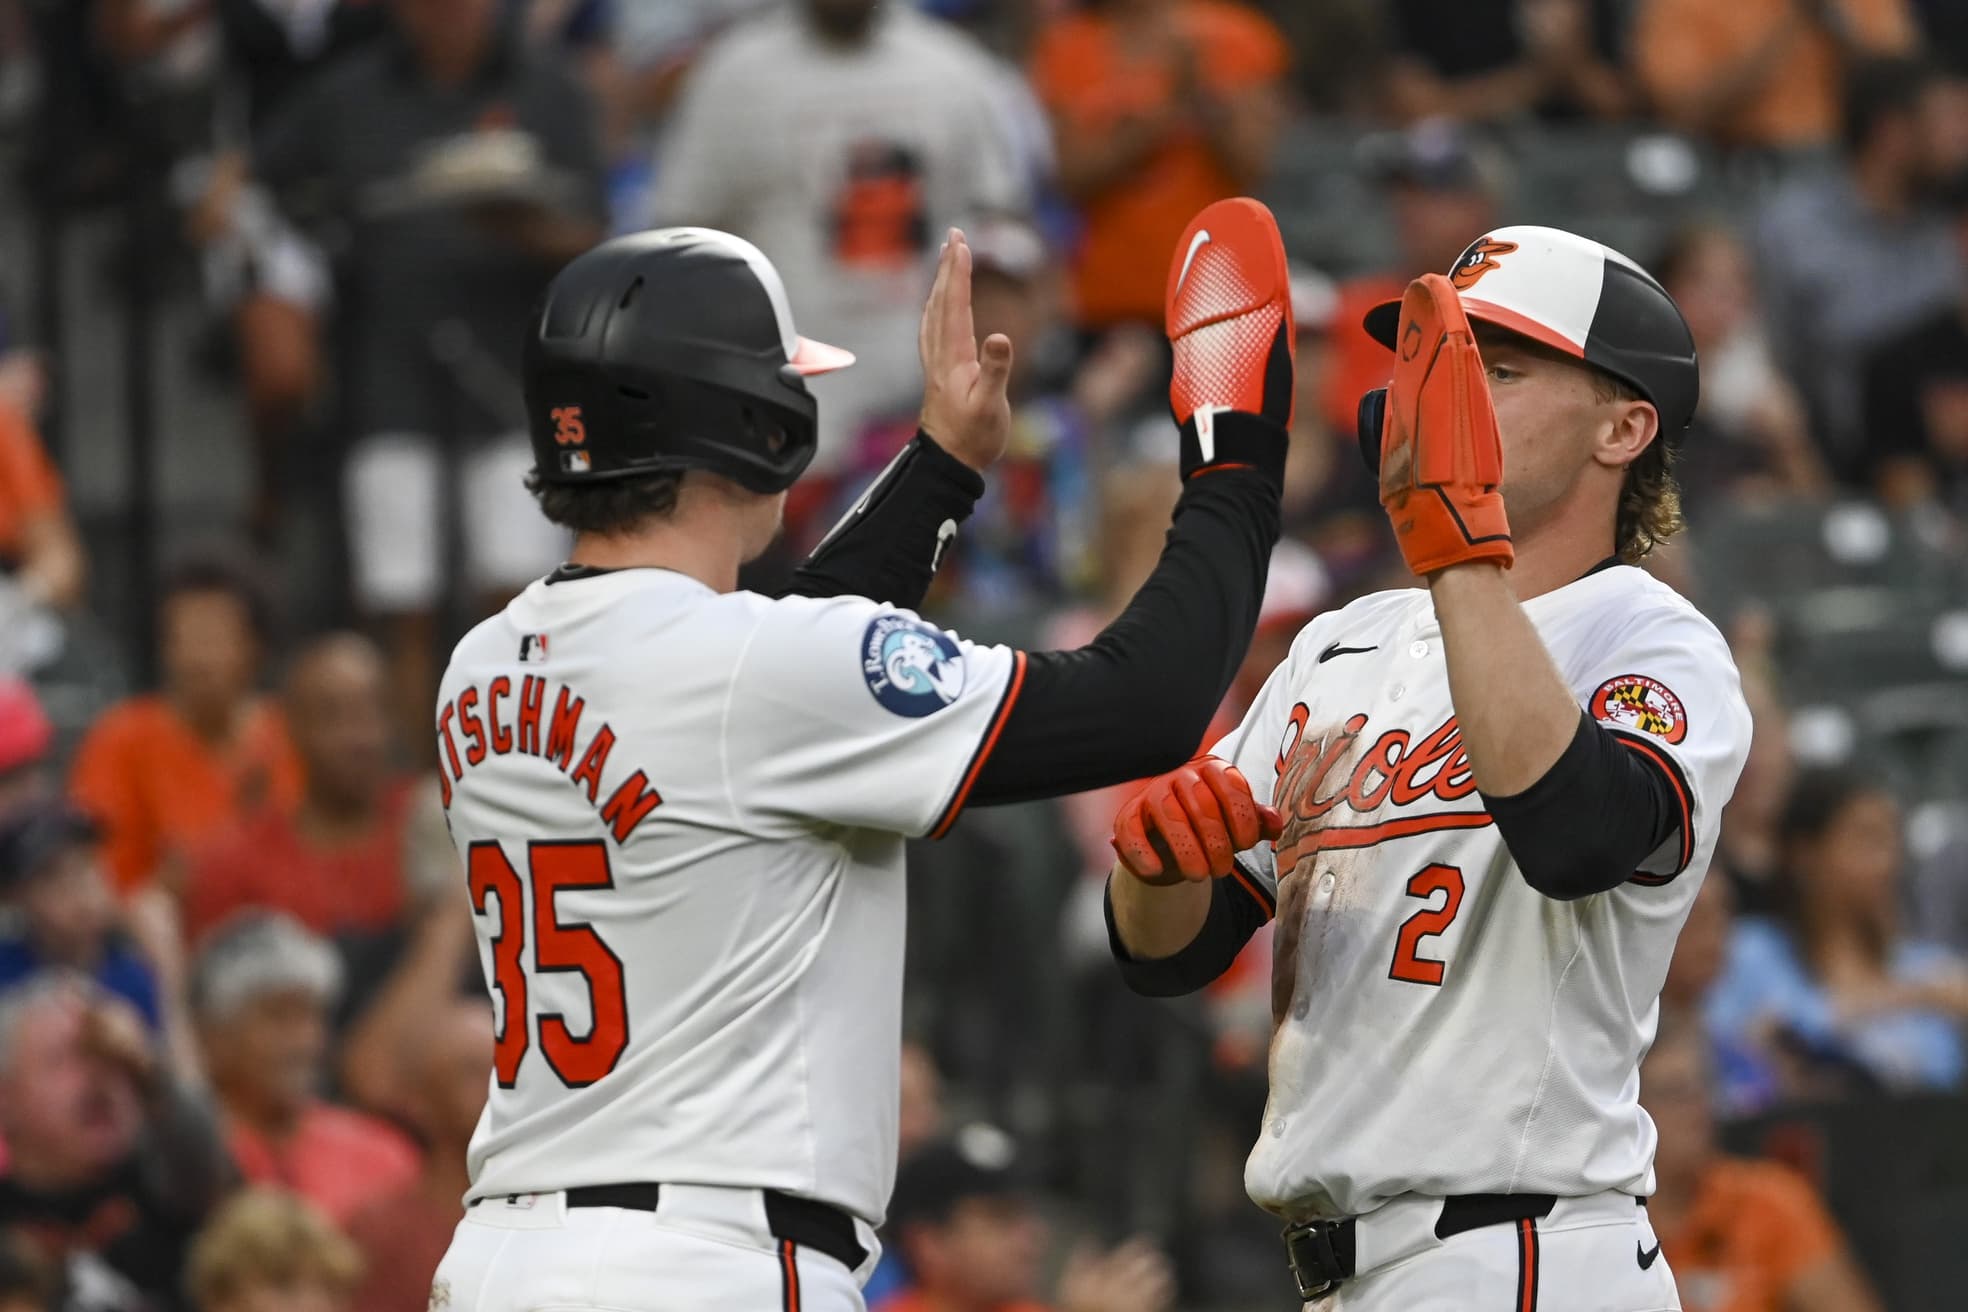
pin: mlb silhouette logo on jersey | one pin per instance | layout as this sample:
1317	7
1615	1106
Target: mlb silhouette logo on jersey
912	668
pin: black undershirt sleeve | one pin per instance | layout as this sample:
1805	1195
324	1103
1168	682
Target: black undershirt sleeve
1605	806
888	546
1234	915
1137	700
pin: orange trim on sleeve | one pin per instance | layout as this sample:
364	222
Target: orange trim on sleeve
984	750
1680	788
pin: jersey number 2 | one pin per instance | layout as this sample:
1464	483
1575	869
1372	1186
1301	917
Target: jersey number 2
1426	882
557	946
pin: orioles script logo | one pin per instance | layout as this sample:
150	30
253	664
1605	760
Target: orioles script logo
1477	261
1397	769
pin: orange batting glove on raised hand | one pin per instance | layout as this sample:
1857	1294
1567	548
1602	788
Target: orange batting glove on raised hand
1230	330
1191	823
1441	459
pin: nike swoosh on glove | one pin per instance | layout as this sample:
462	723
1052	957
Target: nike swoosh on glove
1229	322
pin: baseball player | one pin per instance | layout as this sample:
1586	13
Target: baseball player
682	806
1479	810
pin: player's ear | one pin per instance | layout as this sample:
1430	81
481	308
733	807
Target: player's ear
1631	426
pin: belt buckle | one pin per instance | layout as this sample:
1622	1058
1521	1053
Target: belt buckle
1309	1251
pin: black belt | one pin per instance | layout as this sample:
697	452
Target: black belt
799	1221
1321	1252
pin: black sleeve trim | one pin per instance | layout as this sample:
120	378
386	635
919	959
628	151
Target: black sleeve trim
1137	700
1236	912
1009	699
1683	796
887	547
1597	813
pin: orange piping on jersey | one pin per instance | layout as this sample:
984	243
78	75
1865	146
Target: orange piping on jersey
1680	797
1527	1265
1250	886
984	752
789	1276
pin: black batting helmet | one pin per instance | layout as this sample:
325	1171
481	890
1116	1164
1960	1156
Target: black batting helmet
1576	296
672	350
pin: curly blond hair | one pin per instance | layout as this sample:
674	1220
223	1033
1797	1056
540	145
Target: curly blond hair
1650	499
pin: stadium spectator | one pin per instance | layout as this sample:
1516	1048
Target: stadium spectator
970	1234
1916	400
1749	850
27	737
1331	501
165	772
110	1166
1835	993
338	862
40	548
845	137
453	169
1850	258
63	915
1750	437
261	990
1741	1235
26	1282
403	1236
269	1251
1485	60
1443	192
1158	108
1761	72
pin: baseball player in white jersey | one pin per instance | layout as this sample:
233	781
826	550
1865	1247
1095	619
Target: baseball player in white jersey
1479	811
682	806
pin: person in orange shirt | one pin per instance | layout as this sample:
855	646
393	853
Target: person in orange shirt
1158	108
1761	72
165	771
1741	1235
260	995
972	1239
39	546
1439	189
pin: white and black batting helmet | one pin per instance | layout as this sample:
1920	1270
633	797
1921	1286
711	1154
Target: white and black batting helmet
1579	298
671	350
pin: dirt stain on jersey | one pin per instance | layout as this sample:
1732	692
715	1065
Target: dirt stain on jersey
1316	756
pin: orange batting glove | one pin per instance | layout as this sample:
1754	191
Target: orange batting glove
1191	823
1441	459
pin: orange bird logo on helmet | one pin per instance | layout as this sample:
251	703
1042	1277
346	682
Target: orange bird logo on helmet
1477	261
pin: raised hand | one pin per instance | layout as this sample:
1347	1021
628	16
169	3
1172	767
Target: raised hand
965	406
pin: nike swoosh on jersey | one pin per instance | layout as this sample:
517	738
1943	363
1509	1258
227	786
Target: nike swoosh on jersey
1337	650
1646	1256
1196	243
946	533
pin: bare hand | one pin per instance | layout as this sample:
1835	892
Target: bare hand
1135	1277
965	406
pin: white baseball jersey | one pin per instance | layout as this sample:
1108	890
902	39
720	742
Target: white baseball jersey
682	816
1443	1028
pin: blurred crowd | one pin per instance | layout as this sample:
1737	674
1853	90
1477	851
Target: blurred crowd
242	1037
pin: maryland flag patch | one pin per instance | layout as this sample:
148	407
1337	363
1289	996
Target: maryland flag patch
1633	701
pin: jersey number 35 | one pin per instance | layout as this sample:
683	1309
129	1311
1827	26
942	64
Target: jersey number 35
578	1060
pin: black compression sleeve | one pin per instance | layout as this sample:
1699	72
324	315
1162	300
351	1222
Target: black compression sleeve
1234	915
888	546
1604	806
1137	700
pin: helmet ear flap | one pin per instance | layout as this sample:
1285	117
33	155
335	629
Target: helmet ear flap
1371	419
